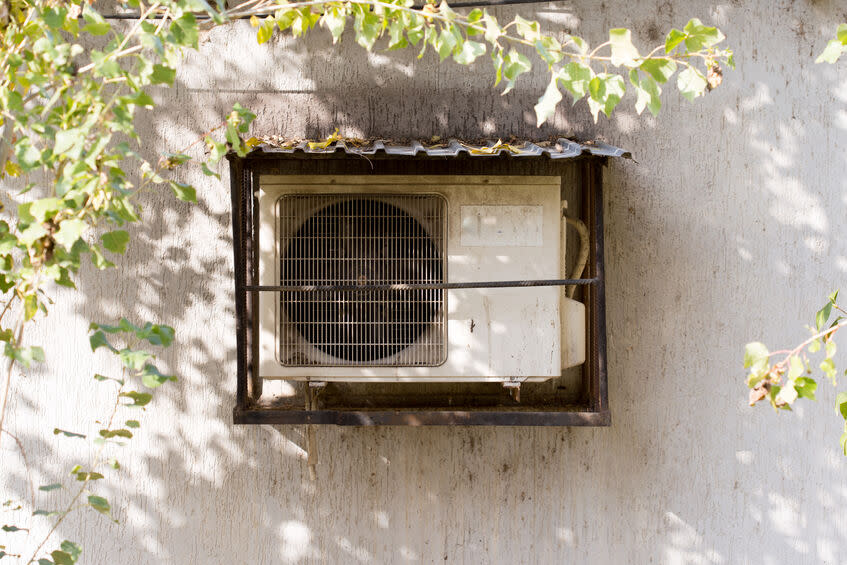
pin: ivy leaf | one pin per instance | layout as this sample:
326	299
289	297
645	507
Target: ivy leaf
69	232
334	20
25	355
575	77
828	368
115	241
546	105
48	488
100	504
184	192
66	433
116	433
95	23
834	49
605	91
514	65
795	367
660	69
162	74
152	378
805	387
133	359
649	93
691	83
138	398
699	36
184	30
469	52
841	404
98	339
756	357
674	38
623	51
823	315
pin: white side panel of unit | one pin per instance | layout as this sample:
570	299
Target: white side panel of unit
492	333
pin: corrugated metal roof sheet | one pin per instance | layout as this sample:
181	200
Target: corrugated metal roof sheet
560	149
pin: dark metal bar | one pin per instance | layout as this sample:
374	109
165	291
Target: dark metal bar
453	417
421	286
241	333
600	290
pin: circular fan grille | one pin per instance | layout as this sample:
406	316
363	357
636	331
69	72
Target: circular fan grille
361	241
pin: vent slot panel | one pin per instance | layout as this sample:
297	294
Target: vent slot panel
362	239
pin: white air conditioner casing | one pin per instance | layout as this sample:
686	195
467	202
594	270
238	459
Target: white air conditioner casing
498	228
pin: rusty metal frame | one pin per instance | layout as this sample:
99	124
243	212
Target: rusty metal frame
592	410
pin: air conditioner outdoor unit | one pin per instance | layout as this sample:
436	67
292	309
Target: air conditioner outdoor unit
415	230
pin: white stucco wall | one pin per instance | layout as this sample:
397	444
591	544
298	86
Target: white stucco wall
728	228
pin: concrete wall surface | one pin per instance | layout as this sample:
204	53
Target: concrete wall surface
726	228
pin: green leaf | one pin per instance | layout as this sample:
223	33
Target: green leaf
100	504
98	339
660	69
623	51
138	398
756	357
699	36
266	30
828	367
48	488
69	141
25	355
796	367
88	476
823	315
831	348
152	378
66	433
208	172
133	359
184	192
843	441
469	52
132	424
30	306
116	433
546	106
575	77
334	19
44	208
605	91
69	232
806	387
648	92
529	30
115	241
8	528
96	24
815	346
841	404
45	513
493	31
691	83
162	75
72	549
788	393
514	65
184	30
675	37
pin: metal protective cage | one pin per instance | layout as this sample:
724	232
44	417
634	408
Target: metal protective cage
539	404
